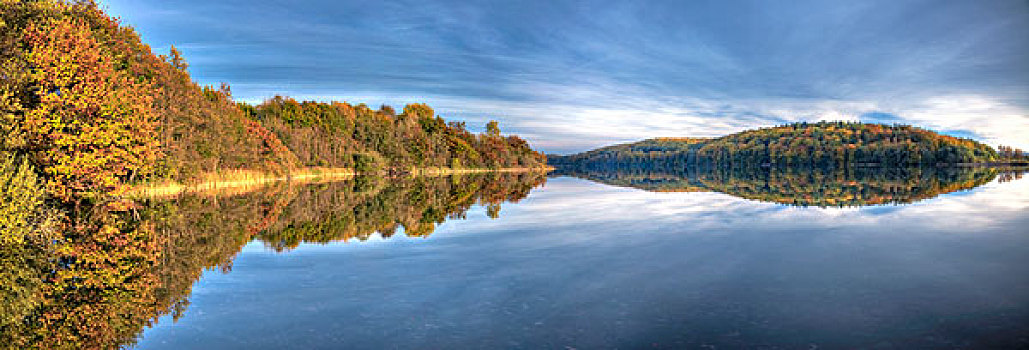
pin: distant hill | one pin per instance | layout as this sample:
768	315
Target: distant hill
821	144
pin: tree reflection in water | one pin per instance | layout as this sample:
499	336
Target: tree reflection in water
115	268
140	260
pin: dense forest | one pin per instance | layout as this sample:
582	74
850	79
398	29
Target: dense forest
819	187
339	134
821	144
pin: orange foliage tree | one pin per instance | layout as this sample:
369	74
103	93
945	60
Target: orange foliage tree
91	126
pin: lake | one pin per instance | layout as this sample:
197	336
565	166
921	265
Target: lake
565	262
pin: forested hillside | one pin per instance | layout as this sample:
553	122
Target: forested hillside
92	108
822	144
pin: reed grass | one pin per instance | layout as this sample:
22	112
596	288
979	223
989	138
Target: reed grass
231	182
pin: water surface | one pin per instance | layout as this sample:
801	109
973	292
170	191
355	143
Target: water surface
581	264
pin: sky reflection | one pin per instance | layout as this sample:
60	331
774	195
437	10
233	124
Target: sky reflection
587	265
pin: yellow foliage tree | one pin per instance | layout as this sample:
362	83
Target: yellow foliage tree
92	126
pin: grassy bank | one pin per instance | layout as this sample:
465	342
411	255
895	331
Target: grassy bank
243	181
236	181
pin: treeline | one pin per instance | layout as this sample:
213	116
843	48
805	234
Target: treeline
821	144
339	134
821	187
1012	154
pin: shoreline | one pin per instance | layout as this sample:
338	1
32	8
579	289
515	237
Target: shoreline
950	165
460	171
242	181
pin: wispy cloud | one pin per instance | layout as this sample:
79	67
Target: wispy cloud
573	75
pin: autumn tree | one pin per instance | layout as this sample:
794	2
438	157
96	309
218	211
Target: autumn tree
493	128
89	125
177	60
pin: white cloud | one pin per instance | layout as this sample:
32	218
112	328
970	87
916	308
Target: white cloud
565	125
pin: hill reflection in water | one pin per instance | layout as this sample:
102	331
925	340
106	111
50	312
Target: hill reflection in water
849	187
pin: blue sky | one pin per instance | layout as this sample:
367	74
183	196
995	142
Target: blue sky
573	75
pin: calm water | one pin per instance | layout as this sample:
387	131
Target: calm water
582	264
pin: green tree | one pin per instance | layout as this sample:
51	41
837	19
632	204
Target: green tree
493	128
